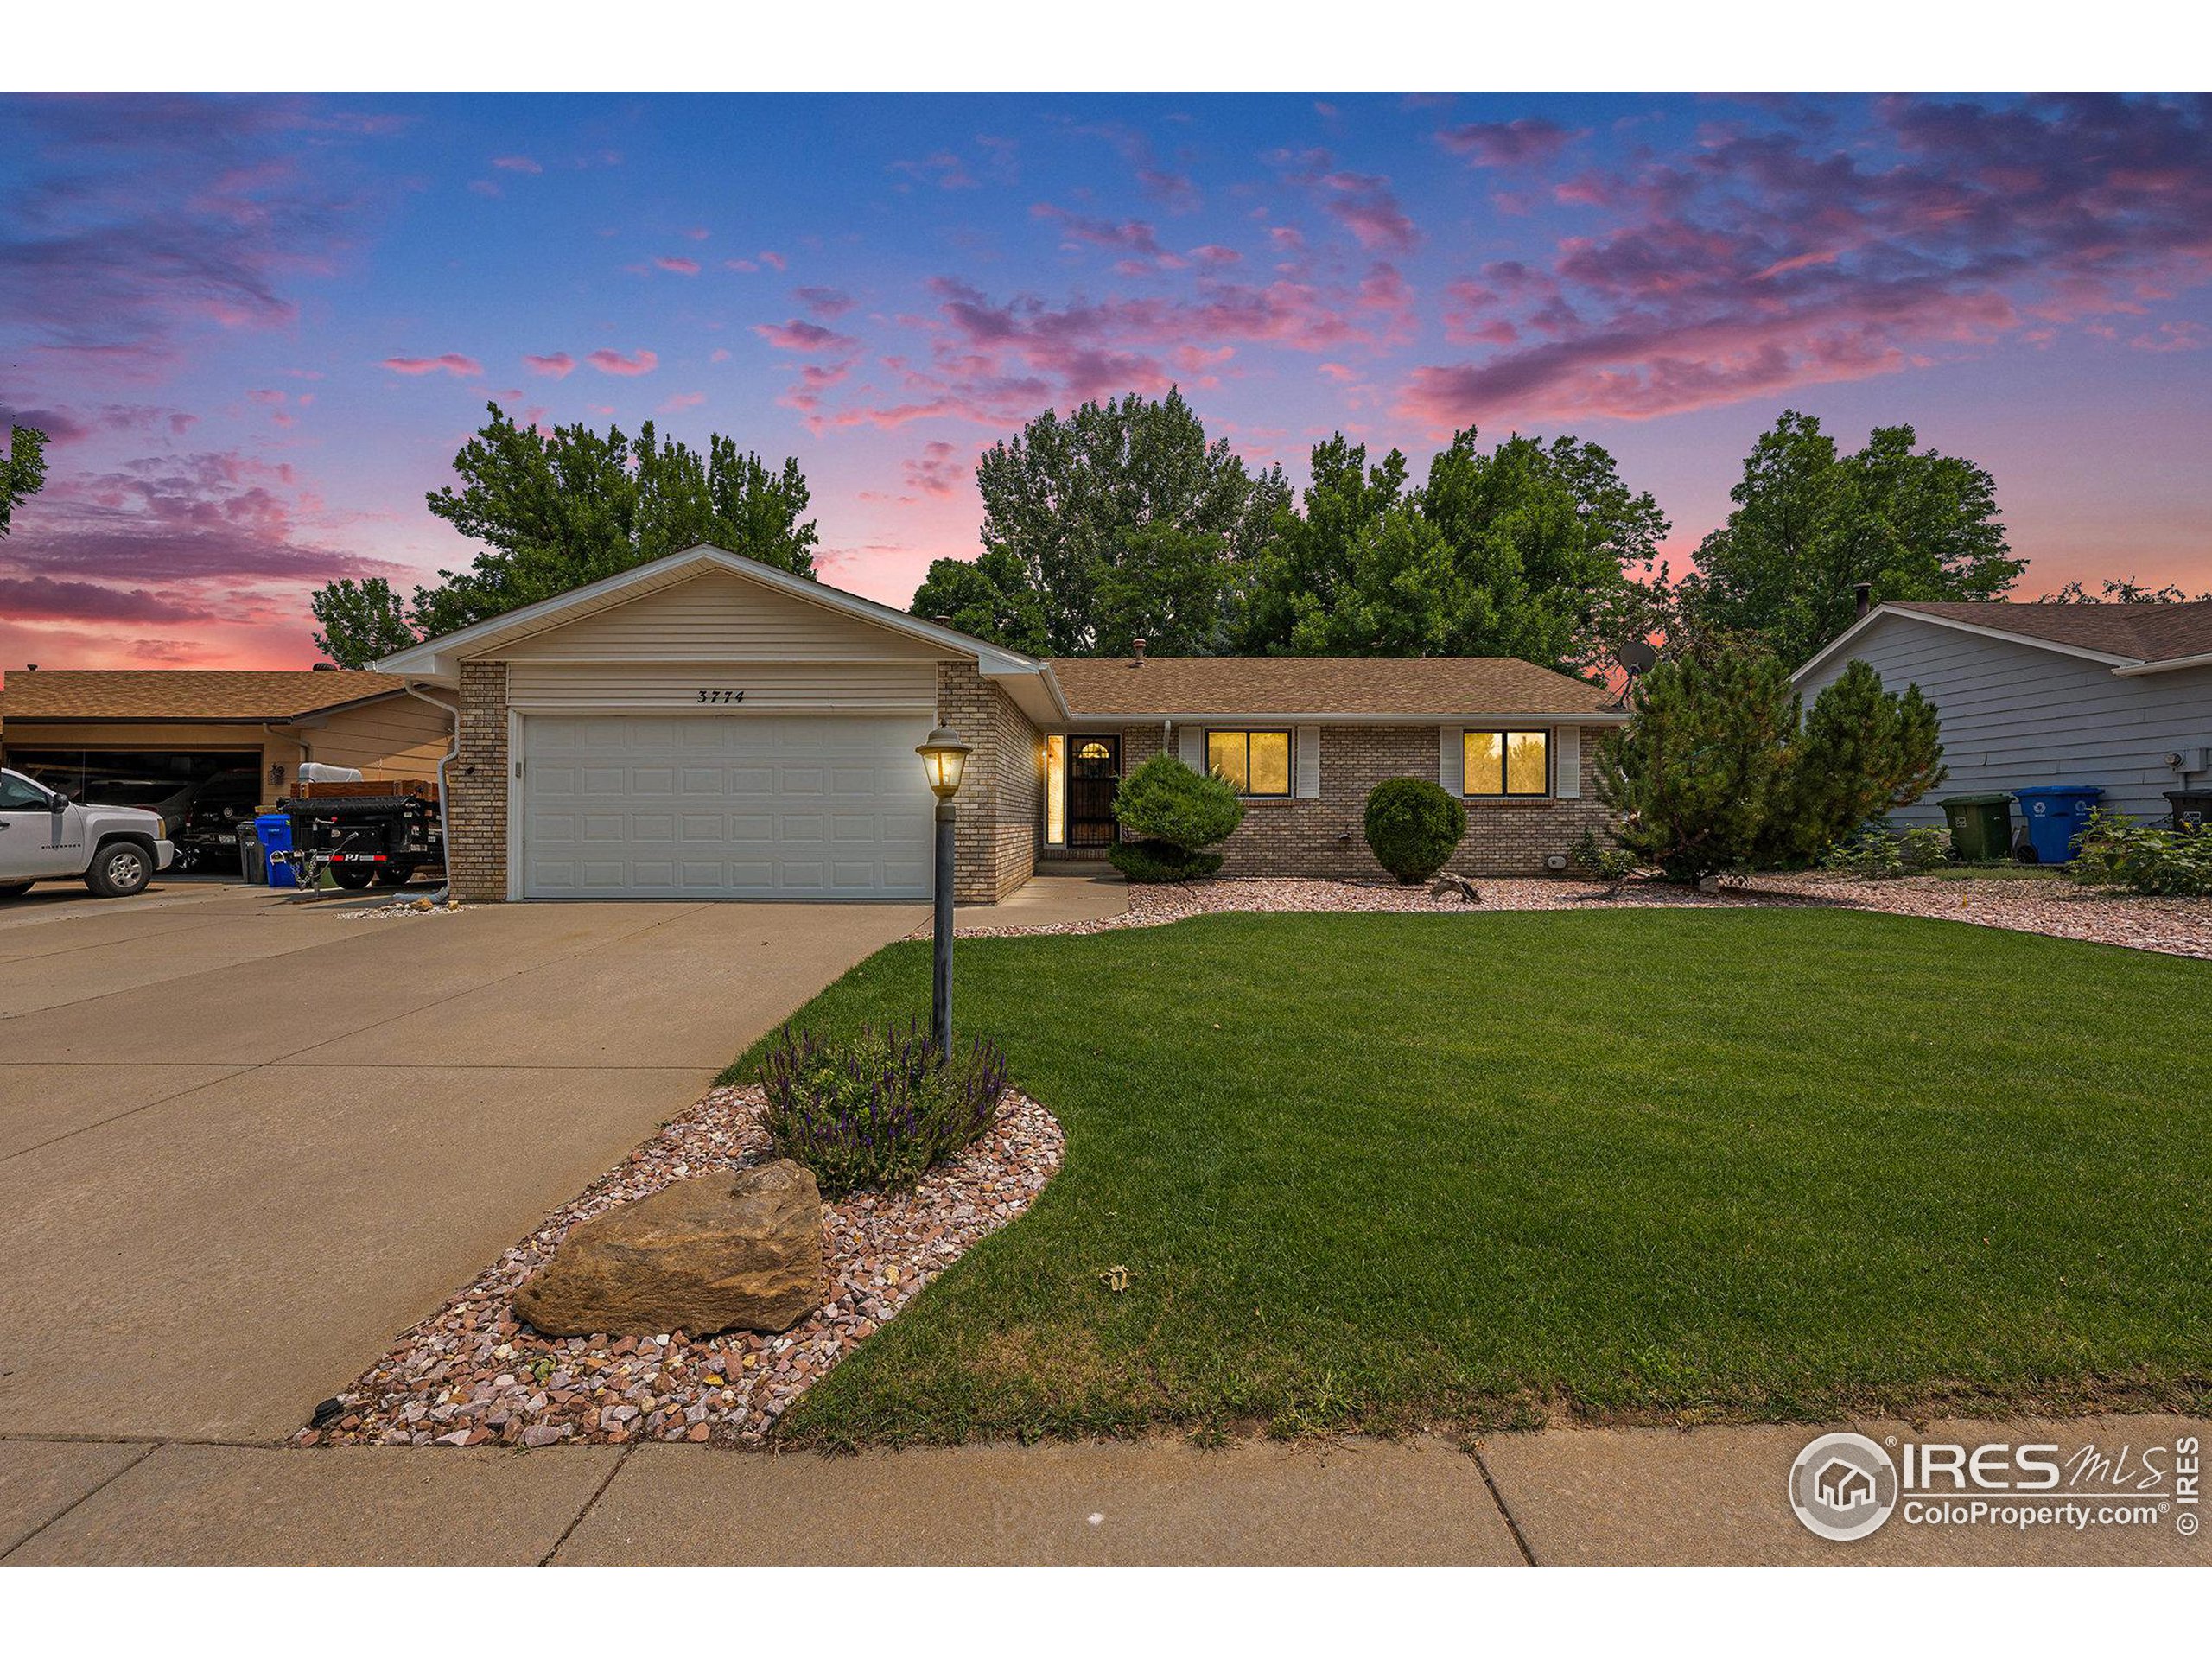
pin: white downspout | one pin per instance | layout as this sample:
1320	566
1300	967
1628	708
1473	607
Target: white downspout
453	749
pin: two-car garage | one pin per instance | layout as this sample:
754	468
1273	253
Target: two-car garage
743	803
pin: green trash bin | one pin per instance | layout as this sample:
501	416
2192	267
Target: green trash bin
1982	827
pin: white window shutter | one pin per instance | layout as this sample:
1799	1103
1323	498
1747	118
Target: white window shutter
1191	746
1567	762
1451	760
1307	741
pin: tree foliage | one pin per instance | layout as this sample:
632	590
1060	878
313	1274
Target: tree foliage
22	471
557	510
1809	525
1532	549
1117	523
2122	590
360	622
1720	769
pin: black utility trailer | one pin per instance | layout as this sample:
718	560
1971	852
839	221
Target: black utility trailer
387	832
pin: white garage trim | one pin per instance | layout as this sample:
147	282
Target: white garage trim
700	804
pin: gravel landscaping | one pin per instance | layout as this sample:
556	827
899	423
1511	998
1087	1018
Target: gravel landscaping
2056	907
471	1375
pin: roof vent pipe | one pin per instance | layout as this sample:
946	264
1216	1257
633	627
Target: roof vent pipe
1864	593
1137	646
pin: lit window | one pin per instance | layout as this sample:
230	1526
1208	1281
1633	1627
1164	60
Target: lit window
1093	750
1252	763
1506	763
1056	791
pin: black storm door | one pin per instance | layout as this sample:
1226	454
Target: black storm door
1094	773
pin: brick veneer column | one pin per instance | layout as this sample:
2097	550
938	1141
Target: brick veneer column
995	848
476	855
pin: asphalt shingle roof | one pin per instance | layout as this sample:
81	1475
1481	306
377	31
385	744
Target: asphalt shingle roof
2147	632
1419	686
184	693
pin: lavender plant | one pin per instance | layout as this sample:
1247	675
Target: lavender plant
878	1109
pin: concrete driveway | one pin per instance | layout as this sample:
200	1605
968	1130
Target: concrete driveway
243	1141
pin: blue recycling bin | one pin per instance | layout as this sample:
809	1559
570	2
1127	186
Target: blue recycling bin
2056	814
274	831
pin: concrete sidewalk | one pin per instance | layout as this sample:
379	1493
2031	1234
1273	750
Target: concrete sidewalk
1621	1496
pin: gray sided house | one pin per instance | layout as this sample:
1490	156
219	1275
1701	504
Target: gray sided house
2117	696
705	725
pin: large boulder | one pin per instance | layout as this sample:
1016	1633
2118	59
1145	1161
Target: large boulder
717	1253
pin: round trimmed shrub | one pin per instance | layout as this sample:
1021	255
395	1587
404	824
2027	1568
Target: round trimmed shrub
1413	827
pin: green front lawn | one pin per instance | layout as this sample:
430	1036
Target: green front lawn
1380	1171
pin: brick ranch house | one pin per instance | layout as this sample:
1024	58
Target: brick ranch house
705	725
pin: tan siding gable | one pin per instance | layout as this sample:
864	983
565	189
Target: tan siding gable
663	686
397	737
716	617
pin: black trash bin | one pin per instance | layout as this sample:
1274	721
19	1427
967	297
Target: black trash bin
2192	807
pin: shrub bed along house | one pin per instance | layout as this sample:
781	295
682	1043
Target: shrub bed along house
877	1107
2115	850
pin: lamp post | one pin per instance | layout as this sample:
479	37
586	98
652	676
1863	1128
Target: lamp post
944	757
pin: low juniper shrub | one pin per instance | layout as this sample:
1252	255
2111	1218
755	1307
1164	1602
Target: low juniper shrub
1161	861
877	1108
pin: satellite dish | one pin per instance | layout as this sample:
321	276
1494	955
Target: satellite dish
1637	656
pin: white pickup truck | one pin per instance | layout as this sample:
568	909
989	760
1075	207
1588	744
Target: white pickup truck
44	837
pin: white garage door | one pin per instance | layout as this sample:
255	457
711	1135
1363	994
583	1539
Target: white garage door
737	805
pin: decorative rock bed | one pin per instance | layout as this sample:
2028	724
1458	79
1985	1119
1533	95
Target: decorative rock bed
472	1374
2060	908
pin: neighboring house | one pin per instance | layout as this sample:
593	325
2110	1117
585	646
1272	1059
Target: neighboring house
707	726
156	737
2118	696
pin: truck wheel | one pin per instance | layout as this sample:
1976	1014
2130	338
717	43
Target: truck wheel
120	869
14	889
394	875
352	877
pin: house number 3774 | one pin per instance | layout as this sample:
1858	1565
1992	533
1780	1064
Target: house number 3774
721	696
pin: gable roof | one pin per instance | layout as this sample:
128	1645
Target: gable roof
188	693
1172	688
2136	637
440	658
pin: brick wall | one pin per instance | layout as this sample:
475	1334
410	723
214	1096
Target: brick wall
995	847
476	857
1326	836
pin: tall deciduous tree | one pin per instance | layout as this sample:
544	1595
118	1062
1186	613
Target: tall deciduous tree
1532	549
1811	524
557	510
359	621
22	471
1120	496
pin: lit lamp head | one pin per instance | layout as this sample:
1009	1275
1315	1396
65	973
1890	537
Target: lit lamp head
944	757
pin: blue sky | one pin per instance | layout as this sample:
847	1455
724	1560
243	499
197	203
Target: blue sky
258	327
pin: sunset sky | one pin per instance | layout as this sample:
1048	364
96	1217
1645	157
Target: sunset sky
257	328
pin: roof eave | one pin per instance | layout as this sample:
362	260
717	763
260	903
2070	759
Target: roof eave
2163	664
1890	607
1399	717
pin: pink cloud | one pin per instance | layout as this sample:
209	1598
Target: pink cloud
720	354
1526	142
698	232
1214	254
681	266
516	164
559	364
1362	203
444	363
935	471
608	362
683	400
800	335
824	302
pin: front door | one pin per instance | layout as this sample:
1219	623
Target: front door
1094	773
